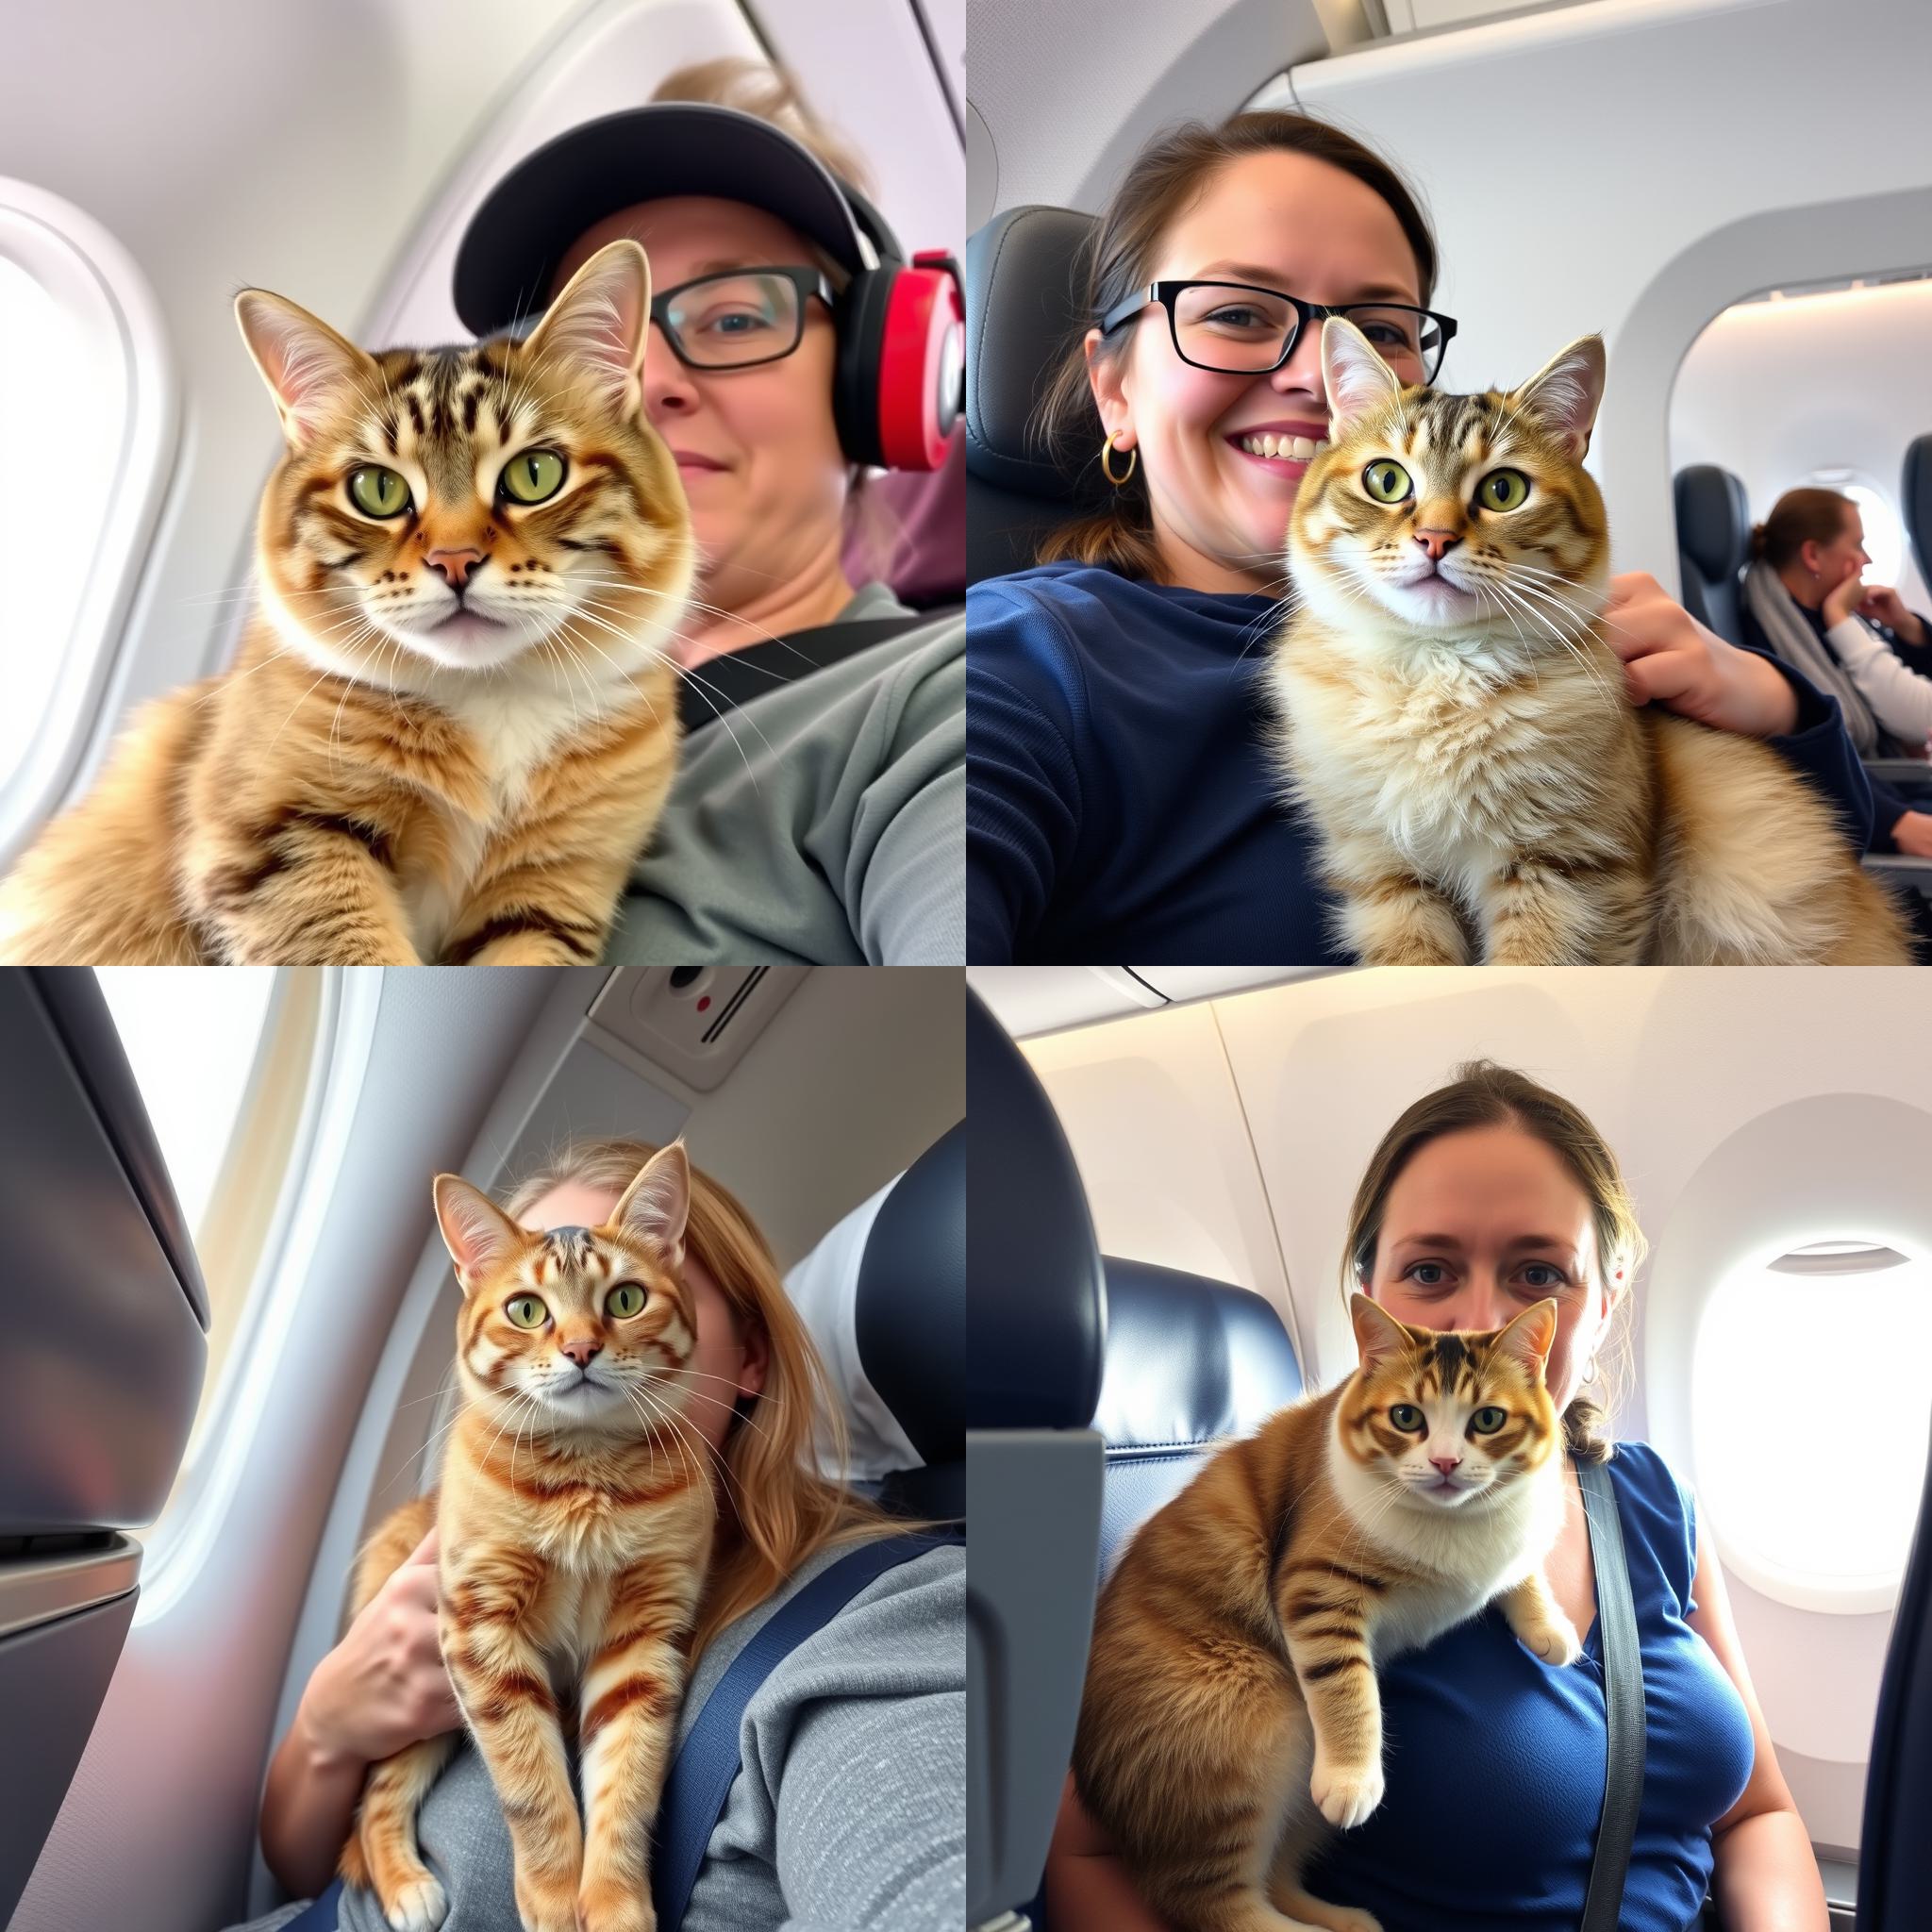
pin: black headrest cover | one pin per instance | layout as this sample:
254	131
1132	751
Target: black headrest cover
1915	495
1037	1299
1020	316
911	1307
1713	520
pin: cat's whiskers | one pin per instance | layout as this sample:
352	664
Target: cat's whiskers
1520	595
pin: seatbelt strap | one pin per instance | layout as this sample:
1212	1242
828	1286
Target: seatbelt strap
1623	1701
322	1914
707	1763
722	683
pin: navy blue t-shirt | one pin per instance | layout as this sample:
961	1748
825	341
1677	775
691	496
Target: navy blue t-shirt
1122	803
1495	1760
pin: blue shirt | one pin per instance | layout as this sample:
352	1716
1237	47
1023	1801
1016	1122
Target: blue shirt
1122	801
1495	1760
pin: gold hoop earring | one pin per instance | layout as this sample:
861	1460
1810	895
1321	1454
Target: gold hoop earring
1106	451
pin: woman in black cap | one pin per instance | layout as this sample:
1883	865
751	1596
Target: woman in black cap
818	809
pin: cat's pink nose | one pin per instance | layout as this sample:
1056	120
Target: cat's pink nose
1438	543
1447	1464
580	1348
454	566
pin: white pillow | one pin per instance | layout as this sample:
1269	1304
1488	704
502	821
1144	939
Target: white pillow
823	1288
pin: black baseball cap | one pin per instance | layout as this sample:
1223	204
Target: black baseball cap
510	252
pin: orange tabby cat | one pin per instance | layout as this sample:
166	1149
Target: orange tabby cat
1455	722
574	1526
1231	1703
452	722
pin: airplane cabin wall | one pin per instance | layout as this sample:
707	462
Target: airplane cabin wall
1229	1139
1634	167
1774	390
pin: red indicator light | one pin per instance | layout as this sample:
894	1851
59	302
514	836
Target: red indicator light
704	1002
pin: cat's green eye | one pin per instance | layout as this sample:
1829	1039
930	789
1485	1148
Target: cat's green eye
1503	489
624	1300
1385	481
533	475
378	493
1406	1417
1487	1420
526	1311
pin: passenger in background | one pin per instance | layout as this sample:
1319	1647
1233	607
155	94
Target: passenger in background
1123	800
1805	599
818	810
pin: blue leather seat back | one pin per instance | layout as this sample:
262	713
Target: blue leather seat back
1020	294
1915	501
1713	542
1894	1848
1190	1363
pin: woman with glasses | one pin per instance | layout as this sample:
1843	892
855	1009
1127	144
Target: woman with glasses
1123	800
818	810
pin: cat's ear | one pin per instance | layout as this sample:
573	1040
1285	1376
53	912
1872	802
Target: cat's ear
1565	393
305	364
1528	1338
1377	1333
1355	378
477	1232
657	1204
602	322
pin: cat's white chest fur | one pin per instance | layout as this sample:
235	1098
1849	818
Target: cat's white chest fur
515	727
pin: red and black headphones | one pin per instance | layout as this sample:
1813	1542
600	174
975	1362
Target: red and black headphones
900	380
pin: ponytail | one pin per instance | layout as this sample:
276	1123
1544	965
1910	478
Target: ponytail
1757	540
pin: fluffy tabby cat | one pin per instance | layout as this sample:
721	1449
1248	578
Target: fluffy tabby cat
1231	1702
574	1526
1455	722
453	720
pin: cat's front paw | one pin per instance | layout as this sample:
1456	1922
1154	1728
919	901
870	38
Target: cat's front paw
1554	1639
1345	1796
421	1905
543	1908
608	1909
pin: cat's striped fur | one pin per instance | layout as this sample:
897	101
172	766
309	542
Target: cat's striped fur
574	1525
453	761
1230	1706
1481	787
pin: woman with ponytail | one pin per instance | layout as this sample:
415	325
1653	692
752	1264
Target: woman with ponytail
1805	599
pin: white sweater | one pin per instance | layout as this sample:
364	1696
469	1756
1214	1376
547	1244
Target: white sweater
1901	700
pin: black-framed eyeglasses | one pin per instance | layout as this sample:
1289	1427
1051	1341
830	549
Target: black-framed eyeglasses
739	317
1236	329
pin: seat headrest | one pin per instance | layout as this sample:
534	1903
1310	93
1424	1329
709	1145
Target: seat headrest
1038	1298
1713	520
1915	498
909	1307
1019	314
1189	1359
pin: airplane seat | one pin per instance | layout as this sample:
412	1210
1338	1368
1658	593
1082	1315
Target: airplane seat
1019	314
96	1408
1895	1853
1915	498
1713	542
1190	1363
1033	1465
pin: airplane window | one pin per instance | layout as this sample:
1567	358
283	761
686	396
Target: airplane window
1810	1434
62	429
221	1060
1885	534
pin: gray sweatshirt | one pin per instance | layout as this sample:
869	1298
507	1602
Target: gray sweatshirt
823	820
849	1813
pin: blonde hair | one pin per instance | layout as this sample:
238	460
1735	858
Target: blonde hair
778	1511
1483	1094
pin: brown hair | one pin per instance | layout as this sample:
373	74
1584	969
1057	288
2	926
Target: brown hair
1482	1095
1799	517
1166	178
776	1510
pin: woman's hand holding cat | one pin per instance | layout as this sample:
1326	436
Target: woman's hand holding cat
385	1686
1672	659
